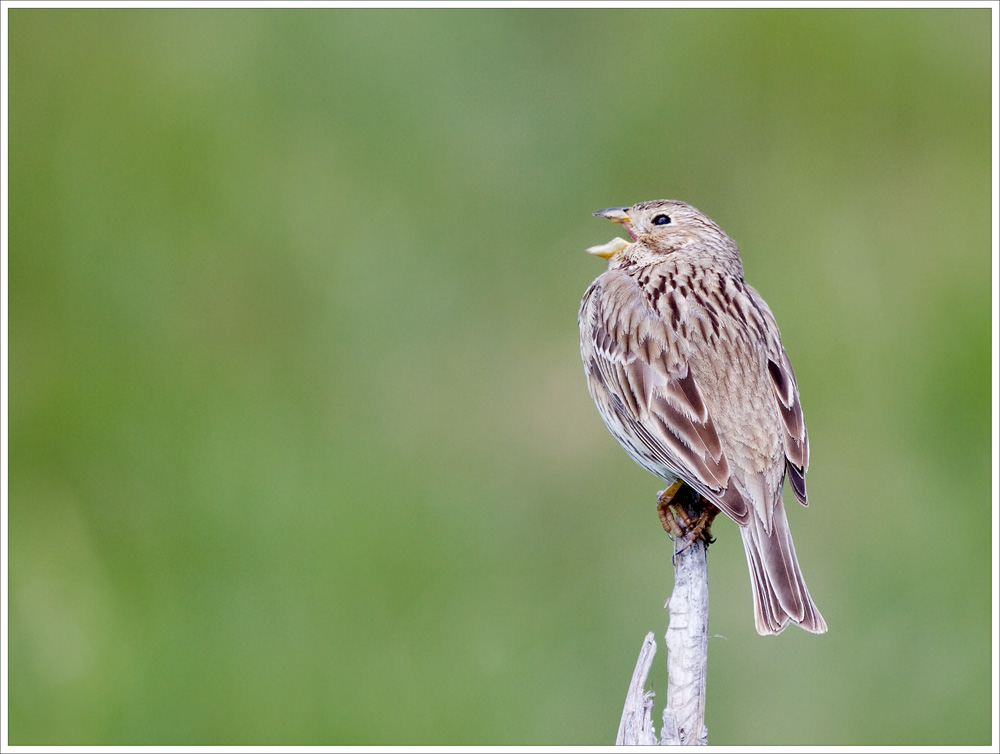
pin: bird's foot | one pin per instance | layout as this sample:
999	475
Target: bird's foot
685	514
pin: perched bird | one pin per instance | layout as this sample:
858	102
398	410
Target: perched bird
685	363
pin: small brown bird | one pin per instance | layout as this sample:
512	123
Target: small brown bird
685	363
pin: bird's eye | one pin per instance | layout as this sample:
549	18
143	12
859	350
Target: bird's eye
661	220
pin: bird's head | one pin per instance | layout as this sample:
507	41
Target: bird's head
662	228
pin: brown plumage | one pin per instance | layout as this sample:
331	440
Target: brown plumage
685	363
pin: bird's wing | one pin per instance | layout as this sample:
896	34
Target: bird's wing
786	395
638	370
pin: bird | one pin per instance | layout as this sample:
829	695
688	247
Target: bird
685	363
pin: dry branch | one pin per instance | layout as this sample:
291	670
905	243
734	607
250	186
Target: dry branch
687	645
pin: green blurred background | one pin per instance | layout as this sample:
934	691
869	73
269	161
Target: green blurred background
301	451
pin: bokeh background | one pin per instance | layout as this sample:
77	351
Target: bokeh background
301	450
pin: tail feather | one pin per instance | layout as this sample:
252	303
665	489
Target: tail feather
780	595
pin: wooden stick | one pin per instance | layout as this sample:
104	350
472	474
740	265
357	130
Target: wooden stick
689	517
687	646
636	727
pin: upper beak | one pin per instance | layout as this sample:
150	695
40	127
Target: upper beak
615	214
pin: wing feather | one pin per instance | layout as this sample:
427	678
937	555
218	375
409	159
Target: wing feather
642	378
796	439
786	394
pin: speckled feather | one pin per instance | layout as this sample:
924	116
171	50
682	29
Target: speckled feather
685	363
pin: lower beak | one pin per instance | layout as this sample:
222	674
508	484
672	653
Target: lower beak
609	249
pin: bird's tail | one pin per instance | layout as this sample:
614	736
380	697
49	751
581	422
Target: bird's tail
780	595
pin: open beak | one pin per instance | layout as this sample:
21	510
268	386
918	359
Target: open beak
607	250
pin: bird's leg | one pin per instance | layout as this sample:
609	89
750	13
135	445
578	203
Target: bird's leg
686	514
667	516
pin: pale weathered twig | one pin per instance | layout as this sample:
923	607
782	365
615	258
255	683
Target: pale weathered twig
636	728
687	644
